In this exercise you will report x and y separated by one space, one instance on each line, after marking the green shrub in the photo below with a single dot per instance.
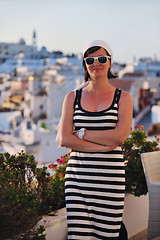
37 234
43 125
133 147
25 192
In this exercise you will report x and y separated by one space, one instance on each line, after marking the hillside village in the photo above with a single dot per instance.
33 84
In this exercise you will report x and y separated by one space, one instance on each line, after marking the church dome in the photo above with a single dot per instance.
22 41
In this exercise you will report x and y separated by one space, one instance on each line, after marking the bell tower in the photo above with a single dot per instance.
34 39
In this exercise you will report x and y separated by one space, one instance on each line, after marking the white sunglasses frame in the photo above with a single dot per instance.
96 58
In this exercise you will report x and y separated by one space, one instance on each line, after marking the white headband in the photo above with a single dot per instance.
99 43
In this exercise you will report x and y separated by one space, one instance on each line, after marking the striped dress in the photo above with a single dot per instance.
95 181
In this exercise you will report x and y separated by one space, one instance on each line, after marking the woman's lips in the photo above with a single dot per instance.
96 69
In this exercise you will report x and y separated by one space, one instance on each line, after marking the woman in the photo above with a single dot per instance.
96 120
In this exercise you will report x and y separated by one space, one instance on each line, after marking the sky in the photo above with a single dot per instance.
130 27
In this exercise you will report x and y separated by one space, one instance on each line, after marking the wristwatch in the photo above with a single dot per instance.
80 133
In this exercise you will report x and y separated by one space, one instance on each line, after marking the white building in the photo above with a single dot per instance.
33 140
4 86
144 67
10 50
35 98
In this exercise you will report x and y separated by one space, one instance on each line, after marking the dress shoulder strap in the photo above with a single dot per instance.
77 97
117 95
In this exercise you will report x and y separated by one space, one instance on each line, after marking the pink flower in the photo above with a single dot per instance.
61 161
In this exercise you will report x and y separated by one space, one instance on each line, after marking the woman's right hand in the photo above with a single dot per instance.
107 148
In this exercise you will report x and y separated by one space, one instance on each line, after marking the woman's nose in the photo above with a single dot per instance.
96 62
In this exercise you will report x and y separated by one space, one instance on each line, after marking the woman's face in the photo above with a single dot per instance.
98 70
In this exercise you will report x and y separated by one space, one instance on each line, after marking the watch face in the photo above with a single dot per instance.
81 133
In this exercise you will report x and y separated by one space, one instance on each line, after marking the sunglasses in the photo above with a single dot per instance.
101 60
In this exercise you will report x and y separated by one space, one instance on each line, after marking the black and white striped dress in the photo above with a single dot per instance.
95 182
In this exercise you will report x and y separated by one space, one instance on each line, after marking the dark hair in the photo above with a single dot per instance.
89 51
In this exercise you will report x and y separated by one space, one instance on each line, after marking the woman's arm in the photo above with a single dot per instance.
118 135
66 137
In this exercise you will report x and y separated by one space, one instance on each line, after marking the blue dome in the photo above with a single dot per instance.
43 48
